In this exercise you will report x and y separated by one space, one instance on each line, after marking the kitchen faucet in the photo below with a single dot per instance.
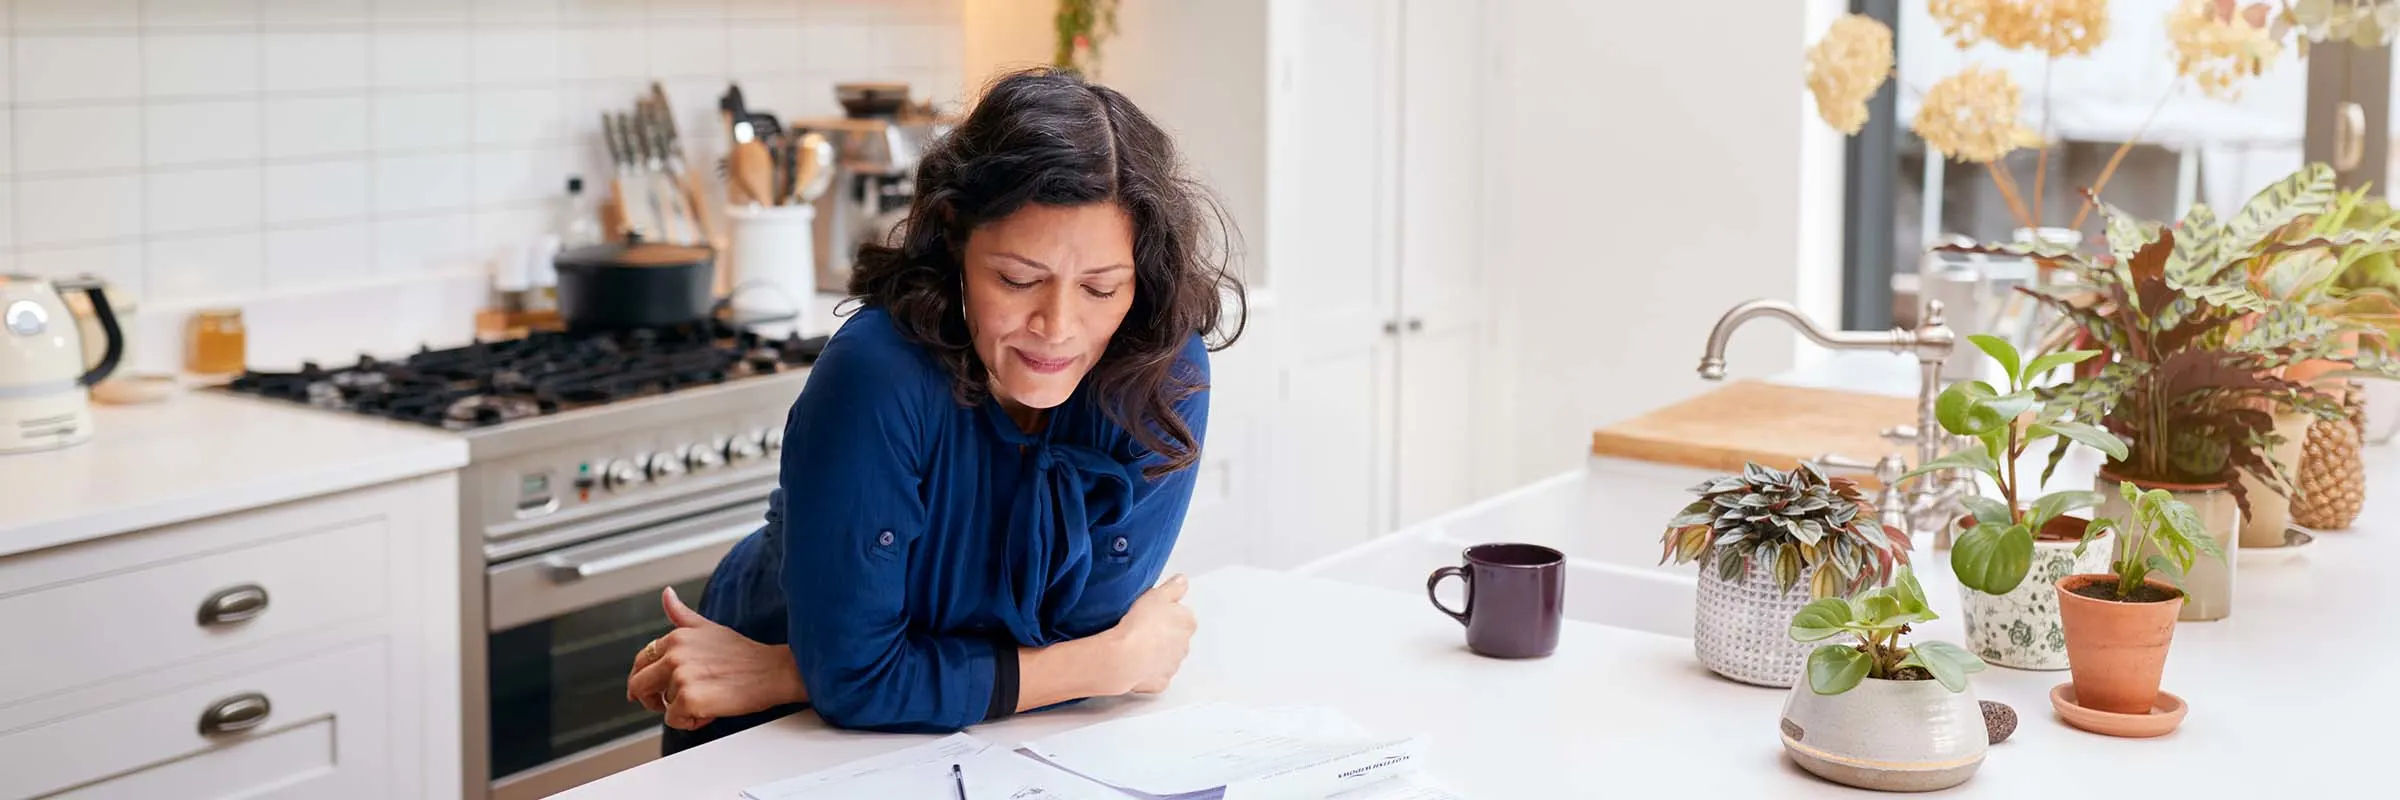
1934 499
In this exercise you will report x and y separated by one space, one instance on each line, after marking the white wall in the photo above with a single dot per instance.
344 169
1651 168
1819 290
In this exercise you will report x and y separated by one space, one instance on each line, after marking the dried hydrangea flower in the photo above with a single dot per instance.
2218 46
1846 67
1972 116
2056 27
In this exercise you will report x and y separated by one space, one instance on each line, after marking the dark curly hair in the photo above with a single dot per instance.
1046 136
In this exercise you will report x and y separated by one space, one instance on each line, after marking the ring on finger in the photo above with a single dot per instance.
650 651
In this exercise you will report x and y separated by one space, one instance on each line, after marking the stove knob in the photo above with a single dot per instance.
774 440
620 475
705 456
747 446
666 466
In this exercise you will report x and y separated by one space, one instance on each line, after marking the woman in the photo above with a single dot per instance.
989 465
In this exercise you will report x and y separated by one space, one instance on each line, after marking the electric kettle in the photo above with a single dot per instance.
45 392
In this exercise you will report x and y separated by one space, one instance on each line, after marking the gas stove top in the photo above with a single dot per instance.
487 384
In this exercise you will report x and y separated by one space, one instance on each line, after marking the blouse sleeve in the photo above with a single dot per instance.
852 478
1153 520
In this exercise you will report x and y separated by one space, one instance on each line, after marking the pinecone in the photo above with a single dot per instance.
2332 481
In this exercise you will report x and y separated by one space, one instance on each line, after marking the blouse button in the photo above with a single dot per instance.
885 539
1120 544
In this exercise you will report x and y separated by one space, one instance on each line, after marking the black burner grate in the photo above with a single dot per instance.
489 383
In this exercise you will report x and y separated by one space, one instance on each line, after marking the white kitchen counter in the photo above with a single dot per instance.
200 454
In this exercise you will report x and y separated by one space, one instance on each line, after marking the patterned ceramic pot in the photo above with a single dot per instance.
2021 629
1743 628
2208 591
1894 736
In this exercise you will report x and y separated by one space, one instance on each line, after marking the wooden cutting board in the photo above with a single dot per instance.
1772 424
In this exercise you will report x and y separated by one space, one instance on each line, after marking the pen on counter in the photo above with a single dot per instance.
958 779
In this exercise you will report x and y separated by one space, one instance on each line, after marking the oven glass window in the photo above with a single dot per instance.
558 685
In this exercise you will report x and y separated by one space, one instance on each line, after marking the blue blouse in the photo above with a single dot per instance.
913 543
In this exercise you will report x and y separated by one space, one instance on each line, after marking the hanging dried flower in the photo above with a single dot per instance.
2056 27
2219 45
1846 67
1972 116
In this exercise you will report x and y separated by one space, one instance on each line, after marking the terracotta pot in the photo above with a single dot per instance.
1906 736
2117 650
2208 590
2270 511
2021 629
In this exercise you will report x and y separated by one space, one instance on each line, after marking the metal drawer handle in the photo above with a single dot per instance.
235 714
567 571
233 604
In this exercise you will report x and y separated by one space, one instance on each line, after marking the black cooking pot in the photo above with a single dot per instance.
635 285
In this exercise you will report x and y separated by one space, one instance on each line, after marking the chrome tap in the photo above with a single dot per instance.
1933 500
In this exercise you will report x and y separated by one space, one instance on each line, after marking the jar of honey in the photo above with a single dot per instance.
216 343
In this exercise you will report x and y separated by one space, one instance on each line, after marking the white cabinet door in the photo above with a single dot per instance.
1444 327
1330 202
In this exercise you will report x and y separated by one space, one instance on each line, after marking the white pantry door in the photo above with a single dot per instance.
1330 202
1445 330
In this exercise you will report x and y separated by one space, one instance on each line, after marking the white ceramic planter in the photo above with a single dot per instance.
1742 629
2271 513
1901 736
2021 629
2208 590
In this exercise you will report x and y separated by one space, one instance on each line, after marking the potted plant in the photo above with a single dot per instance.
1878 714
2011 621
2195 352
2120 623
1768 541
2343 266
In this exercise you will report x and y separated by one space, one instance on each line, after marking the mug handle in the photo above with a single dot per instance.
1436 578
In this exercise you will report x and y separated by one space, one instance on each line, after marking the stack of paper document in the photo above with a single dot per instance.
1204 752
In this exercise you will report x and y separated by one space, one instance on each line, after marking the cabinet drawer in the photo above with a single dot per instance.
321 735
137 620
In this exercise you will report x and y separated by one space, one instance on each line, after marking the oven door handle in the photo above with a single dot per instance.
565 570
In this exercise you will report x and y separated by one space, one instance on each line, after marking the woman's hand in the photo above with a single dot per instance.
1152 639
702 670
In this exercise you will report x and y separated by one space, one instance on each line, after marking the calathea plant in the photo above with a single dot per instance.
1877 618
1793 521
2195 349
1993 555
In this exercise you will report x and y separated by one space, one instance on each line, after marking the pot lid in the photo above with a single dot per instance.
635 253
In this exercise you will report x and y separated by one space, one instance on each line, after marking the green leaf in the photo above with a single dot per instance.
1949 663
2159 564
2301 274
1820 619
1954 408
1834 669
1977 460
1998 413
2090 436
1988 511
2042 365
2000 350
1909 594
2306 191
2050 506
1878 610
1992 560
2092 532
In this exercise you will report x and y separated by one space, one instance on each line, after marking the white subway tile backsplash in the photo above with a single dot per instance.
610 52
8 68
763 9
317 256
301 127
421 11
36 16
185 64
200 13
675 10
119 264
279 13
765 48
307 61
95 67
516 12
204 266
419 120
420 57
519 176
201 132
317 190
507 233
64 211
191 201
603 10
411 245
516 56
412 184
8 217
78 138
840 48
688 50
519 116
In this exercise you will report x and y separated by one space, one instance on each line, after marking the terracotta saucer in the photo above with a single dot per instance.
2165 713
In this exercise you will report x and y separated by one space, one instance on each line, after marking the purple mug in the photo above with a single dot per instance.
1515 598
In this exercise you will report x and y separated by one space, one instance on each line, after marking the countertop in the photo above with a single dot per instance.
199 454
